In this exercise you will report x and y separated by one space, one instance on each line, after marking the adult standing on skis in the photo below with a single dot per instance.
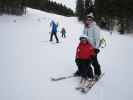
92 31
54 31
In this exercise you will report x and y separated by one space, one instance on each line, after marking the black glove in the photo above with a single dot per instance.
77 61
97 51
92 57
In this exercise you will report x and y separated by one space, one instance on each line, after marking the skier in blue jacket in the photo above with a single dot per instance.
54 31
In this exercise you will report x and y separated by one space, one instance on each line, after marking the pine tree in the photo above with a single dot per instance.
114 9
80 9
16 7
89 7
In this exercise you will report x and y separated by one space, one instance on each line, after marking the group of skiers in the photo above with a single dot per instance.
87 51
54 31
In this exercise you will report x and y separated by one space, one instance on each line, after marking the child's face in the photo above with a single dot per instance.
84 41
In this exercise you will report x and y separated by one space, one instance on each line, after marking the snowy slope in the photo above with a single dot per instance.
28 61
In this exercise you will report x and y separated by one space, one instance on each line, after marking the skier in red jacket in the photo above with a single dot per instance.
84 55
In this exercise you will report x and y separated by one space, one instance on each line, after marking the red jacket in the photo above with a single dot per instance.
84 51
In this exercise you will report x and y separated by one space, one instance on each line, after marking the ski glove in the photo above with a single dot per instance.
97 50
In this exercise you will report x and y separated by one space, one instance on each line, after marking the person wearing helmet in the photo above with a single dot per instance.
84 54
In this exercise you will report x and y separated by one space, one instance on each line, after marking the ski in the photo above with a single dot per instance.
62 78
89 87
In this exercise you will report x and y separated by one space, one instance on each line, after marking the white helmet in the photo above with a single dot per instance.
83 37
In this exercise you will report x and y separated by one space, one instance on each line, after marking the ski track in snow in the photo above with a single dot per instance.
28 60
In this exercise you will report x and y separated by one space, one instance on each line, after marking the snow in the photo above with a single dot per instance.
28 60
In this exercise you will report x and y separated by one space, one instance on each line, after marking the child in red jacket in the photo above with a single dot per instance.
84 54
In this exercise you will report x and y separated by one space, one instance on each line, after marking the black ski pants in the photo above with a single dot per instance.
84 68
54 34
96 66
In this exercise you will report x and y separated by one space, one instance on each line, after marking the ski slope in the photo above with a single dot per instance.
28 60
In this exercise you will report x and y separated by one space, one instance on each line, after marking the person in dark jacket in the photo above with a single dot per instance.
54 31
63 32
84 55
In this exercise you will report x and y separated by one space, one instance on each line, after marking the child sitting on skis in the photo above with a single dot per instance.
84 54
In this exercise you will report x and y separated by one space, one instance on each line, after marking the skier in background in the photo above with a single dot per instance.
54 31
63 32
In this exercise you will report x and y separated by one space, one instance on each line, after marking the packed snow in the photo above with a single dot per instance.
28 60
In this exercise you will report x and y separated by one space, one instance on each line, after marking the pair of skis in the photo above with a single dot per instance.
84 90
89 86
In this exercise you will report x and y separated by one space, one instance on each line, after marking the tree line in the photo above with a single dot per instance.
58 9
84 7
18 7
12 7
113 11
108 13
